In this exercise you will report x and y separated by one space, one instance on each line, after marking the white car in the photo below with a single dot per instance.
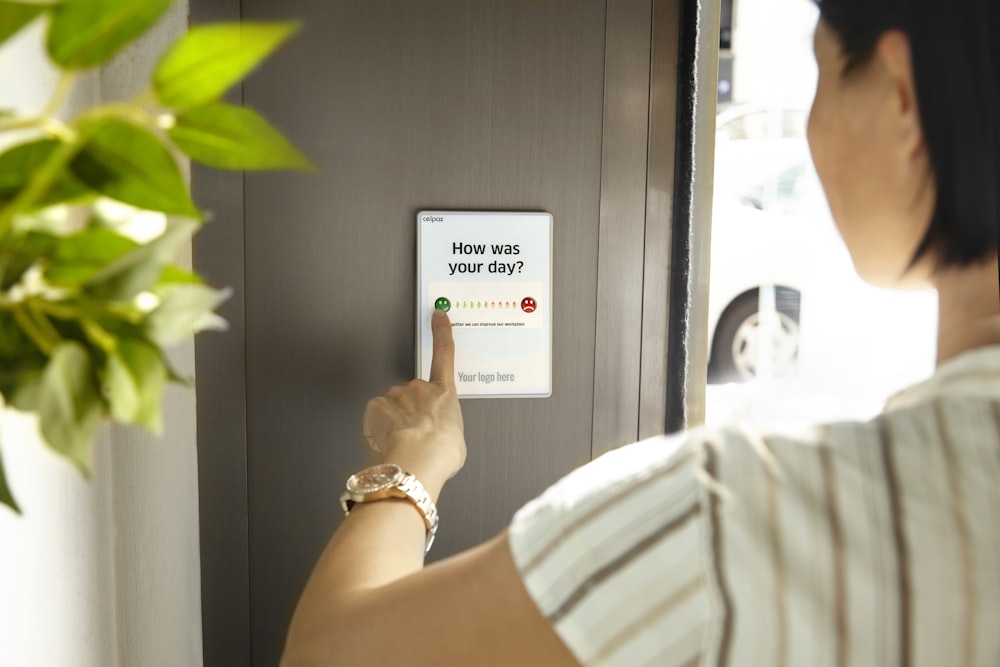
767 208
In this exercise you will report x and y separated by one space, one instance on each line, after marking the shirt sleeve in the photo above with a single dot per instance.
614 555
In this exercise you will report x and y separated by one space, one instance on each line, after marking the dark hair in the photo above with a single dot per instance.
957 76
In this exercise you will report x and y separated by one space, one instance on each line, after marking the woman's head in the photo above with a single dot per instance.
904 132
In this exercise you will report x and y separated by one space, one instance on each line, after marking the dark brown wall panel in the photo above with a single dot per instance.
447 104
452 104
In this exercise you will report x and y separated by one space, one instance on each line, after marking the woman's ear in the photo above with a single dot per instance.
894 56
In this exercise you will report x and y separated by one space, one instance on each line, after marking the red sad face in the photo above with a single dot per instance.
528 304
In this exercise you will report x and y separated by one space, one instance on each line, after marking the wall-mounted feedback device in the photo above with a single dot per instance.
492 273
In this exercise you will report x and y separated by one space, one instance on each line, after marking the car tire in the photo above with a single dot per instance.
729 360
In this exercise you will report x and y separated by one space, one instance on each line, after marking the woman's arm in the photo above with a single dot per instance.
369 598
470 609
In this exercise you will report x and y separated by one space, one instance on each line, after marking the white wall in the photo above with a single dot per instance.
100 573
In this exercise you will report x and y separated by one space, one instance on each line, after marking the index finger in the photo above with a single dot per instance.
443 359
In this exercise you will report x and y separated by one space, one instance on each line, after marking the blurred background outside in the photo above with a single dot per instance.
794 335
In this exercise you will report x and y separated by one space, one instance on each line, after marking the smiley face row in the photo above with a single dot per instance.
528 304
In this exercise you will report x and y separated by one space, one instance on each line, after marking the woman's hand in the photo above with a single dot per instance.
418 426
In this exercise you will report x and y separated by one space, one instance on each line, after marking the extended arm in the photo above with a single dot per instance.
370 600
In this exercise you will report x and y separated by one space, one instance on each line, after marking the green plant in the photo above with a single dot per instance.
94 209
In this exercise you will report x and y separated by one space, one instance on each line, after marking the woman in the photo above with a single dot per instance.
864 543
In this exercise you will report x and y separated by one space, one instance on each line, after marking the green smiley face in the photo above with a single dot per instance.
443 304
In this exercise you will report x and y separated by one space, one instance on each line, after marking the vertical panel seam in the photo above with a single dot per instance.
600 195
645 212
621 417
246 391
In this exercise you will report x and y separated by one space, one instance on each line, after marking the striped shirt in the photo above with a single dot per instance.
872 543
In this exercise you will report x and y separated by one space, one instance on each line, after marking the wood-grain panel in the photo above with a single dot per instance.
623 223
446 104
562 106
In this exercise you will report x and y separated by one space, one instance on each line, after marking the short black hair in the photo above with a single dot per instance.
957 77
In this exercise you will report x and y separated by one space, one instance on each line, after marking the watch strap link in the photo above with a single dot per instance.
416 492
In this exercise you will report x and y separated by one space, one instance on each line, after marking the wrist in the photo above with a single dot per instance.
432 475
431 462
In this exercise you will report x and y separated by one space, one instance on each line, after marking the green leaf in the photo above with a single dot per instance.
14 16
185 310
174 376
134 379
20 253
6 497
14 344
140 268
21 365
95 244
225 136
18 164
120 389
208 60
69 406
85 33
21 388
131 165
70 275
176 275
75 259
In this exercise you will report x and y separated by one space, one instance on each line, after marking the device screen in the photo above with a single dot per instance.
492 273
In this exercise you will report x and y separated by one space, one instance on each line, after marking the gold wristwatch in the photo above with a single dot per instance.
388 480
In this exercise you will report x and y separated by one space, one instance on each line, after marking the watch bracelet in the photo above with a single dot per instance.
418 495
416 492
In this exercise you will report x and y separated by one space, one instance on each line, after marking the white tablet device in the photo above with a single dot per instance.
492 273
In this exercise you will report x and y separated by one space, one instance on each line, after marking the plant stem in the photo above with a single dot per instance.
146 99
67 79
123 312
23 317
64 86
51 126
21 123
61 311
44 325
56 310
98 335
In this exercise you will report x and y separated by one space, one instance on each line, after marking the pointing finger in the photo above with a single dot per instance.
443 360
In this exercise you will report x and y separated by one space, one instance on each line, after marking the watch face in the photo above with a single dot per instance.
375 478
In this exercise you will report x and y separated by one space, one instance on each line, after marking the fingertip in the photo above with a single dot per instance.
440 322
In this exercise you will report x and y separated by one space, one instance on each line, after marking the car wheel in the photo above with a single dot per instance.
737 338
